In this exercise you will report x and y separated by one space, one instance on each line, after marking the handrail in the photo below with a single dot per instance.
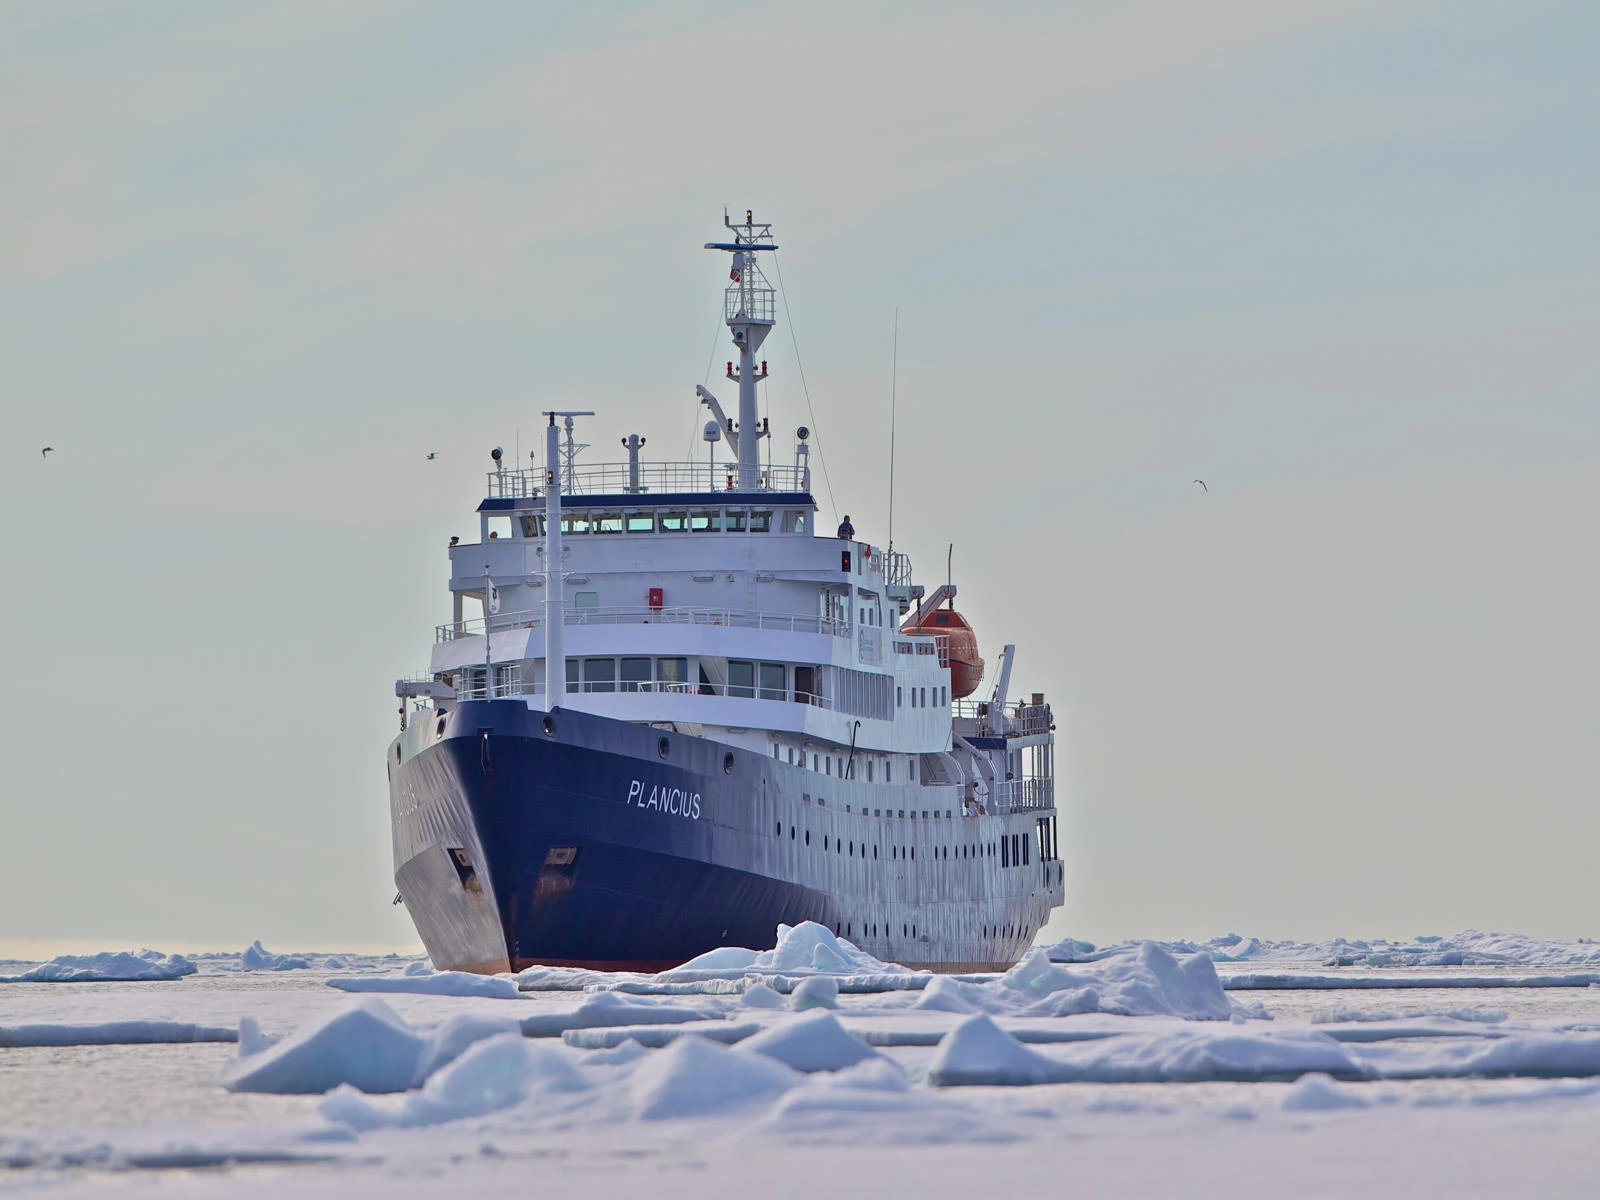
533 618
653 478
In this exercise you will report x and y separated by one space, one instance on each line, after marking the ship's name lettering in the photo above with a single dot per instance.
673 801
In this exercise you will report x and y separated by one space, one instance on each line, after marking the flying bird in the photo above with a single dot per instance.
430 455
1203 487
45 453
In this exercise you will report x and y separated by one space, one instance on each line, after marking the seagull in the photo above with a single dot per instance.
45 453
430 455
1202 484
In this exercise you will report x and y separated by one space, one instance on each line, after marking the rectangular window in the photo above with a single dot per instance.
641 522
496 527
827 765
772 682
672 674
869 770
791 756
794 521
761 522
572 674
607 523
733 520
705 522
532 524
1005 857
635 675
805 684
741 678
888 772
586 600
599 674
574 523
1025 858
899 697
674 522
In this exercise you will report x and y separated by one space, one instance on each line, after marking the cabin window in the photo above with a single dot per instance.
705 522
827 765
635 677
641 522
761 522
672 674
733 520
869 770
573 667
599 674
574 523
674 522
532 524
888 771
794 521
497 527
899 697
772 682
586 600
607 522
805 685
741 678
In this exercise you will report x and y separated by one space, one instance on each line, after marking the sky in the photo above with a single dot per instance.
1338 259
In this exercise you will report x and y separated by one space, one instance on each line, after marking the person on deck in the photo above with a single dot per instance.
846 530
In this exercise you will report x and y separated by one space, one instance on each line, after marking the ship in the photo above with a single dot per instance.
671 713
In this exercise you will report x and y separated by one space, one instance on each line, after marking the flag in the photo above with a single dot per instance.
492 603
737 274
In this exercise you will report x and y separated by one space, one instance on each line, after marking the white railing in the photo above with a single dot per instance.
1018 794
470 687
732 618
1021 720
654 478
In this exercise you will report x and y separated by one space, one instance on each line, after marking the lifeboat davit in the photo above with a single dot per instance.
966 665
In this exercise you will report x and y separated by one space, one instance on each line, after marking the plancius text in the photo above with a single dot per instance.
674 801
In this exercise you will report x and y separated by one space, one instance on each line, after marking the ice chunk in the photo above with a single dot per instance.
620 1055
437 983
252 1040
735 958
693 1077
978 1051
1317 1092
257 958
759 995
457 1035
1540 1055
418 968
1146 981
602 1009
805 949
944 994
114 1033
116 966
367 1046
819 991
815 1042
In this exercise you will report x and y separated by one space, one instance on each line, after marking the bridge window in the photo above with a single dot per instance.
607 522
772 682
496 527
761 522
705 522
599 674
532 524
741 678
636 678
794 521
572 523
734 520
641 522
674 522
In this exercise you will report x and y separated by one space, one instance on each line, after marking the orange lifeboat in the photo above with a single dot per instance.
966 665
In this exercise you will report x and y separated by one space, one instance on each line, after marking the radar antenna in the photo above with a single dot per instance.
750 309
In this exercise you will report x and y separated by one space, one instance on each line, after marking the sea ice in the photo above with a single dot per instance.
804 949
694 1077
944 994
1144 981
114 1033
456 1036
1319 1092
759 995
656 1036
257 958
819 991
114 966
438 983
602 1009
367 1046
815 1042
979 1052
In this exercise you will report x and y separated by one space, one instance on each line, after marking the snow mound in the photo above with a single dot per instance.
944 994
367 1046
1317 1092
115 1033
1141 982
804 949
602 1009
725 958
458 1035
627 1051
694 1077
257 958
759 995
437 983
1207 1055
496 1073
979 1052
819 991
816 1042
113 966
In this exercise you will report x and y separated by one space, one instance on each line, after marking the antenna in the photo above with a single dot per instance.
894 380
949 574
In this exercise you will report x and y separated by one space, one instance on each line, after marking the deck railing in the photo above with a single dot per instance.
604 479
683 615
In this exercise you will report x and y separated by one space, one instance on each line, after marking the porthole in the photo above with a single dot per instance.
727 762
824 841
779 829
808 837
664 747
852 849
791 833
550 727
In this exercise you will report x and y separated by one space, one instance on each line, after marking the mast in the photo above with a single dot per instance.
555 658
749 307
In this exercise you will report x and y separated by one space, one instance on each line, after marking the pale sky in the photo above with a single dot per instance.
1339 259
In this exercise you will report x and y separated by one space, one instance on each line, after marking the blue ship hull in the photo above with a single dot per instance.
565 838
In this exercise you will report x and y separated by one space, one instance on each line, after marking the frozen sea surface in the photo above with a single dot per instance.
802 1095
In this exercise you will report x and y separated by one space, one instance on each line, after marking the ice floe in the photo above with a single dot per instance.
434 983
602 1009
1470 948
814 1042
256 957
115 1033
113 966
1319 1092
694 1077
1147 980
367 1046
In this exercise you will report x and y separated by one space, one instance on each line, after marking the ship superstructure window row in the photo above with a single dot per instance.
653 521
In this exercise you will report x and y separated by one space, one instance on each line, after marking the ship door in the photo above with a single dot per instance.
805 684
